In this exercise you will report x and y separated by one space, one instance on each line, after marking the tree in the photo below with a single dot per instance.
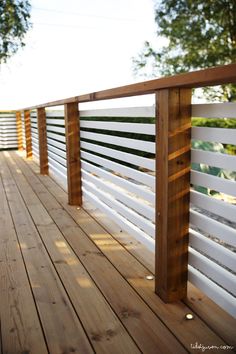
199 34
14 23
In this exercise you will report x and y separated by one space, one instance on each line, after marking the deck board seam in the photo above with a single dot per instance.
118 269
71 247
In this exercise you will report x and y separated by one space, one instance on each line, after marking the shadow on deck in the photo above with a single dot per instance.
71 283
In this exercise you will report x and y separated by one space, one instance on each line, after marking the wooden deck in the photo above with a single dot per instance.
72 284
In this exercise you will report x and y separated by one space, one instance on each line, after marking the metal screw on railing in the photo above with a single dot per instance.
189 316
149 277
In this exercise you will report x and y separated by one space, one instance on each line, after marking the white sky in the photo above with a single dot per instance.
76 47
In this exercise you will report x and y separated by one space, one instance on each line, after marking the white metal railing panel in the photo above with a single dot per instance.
138 128
124 223
213 182
131 188
124 170
213 227
216 206
214 110
215 159
135 144
220 135
120 155
8 134
211 289
145 112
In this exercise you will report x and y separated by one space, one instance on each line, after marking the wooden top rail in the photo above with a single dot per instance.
208 77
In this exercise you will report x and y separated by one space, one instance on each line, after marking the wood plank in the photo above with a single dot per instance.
53 305
19 130
207 77
21 331
73 154
146 329
173 192
102 326
42 138
28 141
172 315
216 318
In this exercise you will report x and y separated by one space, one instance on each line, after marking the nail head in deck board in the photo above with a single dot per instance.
42 136
73 154
28 139
46 285
172 314
16 302
173 187
19 130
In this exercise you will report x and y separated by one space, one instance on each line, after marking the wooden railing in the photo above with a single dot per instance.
173 141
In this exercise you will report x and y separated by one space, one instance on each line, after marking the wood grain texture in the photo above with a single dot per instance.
172 192
42 136
21 330
28 139
73 154
102 326
53 304
201 78
19 130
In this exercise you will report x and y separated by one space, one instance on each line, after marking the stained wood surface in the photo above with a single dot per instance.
73 154
172 192
106 288
28 139
201 78
19 130
42 138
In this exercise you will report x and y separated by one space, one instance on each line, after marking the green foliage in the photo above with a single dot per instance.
14 23
199 34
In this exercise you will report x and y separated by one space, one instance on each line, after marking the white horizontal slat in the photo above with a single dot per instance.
212 270
139 128
5 124
120 208
57 144
55 121
134 204
126 171
55 113
141 145
213 227
35 139
57 158
8 146
7 115
220 135
33 119
57 151
8 135
212 249
216 293
35 135
146 112
58 166
120 155
122 222
34 125
55 129
56 137
35 146
6 139
214 205
215 183
214 159
214 110
120 182
60 178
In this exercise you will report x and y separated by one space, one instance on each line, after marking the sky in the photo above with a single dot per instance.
76 47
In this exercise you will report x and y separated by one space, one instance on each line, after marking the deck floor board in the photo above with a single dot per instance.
78 288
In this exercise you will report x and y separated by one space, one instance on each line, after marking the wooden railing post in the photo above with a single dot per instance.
19 130
173 111
42 134
28 140
73 154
